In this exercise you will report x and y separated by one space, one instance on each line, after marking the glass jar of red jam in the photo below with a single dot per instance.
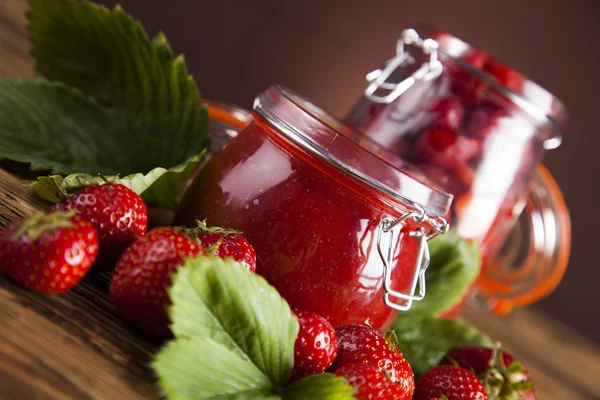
337 230
479 129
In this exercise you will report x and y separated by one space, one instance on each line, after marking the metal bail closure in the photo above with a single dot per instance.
431 70
387 227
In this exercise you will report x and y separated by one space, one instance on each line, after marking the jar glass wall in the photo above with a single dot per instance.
311 202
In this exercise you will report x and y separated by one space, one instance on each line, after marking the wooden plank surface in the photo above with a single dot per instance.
73 346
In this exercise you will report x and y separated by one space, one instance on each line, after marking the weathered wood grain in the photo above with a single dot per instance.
66 346
74 346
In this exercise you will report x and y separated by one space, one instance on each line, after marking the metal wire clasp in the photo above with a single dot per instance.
431 70
390 227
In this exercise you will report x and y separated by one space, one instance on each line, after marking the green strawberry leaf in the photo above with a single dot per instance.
201 368
137 79
222 300
158 188
54 127
319 386
234 339
425 340
454 267
120 105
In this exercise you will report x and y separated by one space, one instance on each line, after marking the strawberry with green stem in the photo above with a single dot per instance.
225 243
363 344
451 382
49 252
142 277
117 212
370 383
316 345
503 376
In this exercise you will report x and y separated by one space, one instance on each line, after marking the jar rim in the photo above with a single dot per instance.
322 133
530 97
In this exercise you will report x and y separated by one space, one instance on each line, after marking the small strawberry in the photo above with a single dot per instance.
225 243
363 344
445 149
505 75
483 119
315 347
369 383
143 275
117 212
48 252
448 113
503 376
453 382
467 86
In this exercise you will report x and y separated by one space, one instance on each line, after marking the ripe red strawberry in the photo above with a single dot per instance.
363 344
369 383
505 75
316 345
448 113
467 86
143 275
483 119
453 382
445 149
503 376
226 243
117 212
48 252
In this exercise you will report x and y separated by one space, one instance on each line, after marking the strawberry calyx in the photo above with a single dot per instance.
39 223
192 233
212 250
392 340
203 228
503 382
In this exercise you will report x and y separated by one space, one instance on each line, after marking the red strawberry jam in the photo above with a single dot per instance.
312 221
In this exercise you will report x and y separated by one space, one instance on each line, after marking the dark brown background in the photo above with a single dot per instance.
322 49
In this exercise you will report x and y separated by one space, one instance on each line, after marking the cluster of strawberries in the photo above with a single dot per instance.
374 366
106 224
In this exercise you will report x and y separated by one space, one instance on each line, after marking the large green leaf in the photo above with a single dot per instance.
235 339
54 127
425 340
158 188
319 386
108 56
454 267
200 368
220 299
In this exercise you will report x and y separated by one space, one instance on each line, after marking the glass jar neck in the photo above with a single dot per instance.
322 135
536 101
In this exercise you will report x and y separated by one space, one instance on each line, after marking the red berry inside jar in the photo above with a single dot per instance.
479 131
